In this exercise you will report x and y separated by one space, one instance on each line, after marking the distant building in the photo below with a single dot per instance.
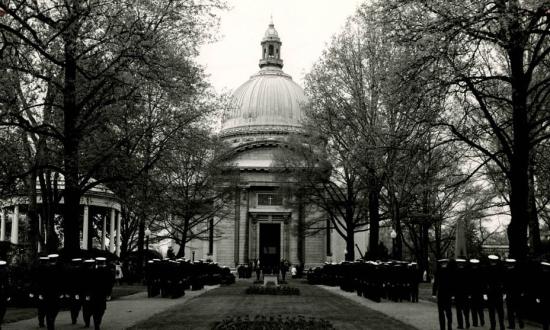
264 221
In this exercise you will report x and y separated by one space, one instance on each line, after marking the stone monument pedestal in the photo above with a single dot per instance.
270 278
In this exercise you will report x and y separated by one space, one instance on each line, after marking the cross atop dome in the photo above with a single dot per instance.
271 47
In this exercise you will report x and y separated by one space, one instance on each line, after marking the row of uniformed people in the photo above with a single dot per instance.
492 283
78 284
170 278
393 280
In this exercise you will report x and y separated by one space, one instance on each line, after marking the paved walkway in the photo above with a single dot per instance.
121 313
421 315
204 311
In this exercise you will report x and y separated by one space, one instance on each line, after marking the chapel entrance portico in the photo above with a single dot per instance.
270 237
270 246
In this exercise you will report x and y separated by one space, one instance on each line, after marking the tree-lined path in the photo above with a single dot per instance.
202 309
215 305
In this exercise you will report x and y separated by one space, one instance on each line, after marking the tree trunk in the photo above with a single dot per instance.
396 217
519 176
374 221
141 240
350 244
71 159
534 229
32 212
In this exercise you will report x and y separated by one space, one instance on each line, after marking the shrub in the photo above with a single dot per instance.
273 323
273 290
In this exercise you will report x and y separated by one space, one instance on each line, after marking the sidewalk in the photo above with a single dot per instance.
120 314
421 315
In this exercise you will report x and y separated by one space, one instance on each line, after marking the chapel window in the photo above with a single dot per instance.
269 199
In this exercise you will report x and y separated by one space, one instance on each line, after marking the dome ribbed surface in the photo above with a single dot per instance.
269 100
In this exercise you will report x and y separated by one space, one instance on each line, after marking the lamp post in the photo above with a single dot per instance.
393 236
147 234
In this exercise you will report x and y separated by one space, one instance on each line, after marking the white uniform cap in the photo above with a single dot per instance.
544 263
100 259
43 258
474 261
76 259
460 260
493 257
2 263
89 260
54 255
510 260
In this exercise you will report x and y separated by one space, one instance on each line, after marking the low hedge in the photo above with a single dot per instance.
273 290
262 322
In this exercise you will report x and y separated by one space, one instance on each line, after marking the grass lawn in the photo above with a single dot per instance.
204 311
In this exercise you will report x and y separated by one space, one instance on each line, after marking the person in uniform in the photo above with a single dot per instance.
73 282
53 277
461 294
103 282
443 289
513 290
149 279
476 280
495 291
543 293
87 289
38 285
4 289
413 276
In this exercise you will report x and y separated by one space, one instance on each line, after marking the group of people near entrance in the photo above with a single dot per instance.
393 280
171 277
492 283
76 284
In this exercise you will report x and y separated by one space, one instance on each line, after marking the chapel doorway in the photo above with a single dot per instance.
270 246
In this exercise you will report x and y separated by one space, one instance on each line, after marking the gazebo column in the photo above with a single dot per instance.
118 234
104 232
85 228
2 225
15 225
112 231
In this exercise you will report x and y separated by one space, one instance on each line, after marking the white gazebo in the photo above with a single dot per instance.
98 197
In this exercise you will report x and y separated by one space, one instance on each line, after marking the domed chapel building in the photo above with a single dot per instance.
264 221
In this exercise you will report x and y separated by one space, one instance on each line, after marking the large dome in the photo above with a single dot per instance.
269 100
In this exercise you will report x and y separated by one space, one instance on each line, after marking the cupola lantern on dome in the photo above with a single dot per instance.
271 48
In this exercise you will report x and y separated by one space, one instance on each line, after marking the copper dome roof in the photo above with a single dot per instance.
269 101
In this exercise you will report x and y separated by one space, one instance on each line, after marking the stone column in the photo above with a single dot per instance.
104 232
118 233
243 226
112 231
2 225
85 228
237 226
15 225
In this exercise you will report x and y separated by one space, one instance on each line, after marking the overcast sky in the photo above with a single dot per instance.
304 26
